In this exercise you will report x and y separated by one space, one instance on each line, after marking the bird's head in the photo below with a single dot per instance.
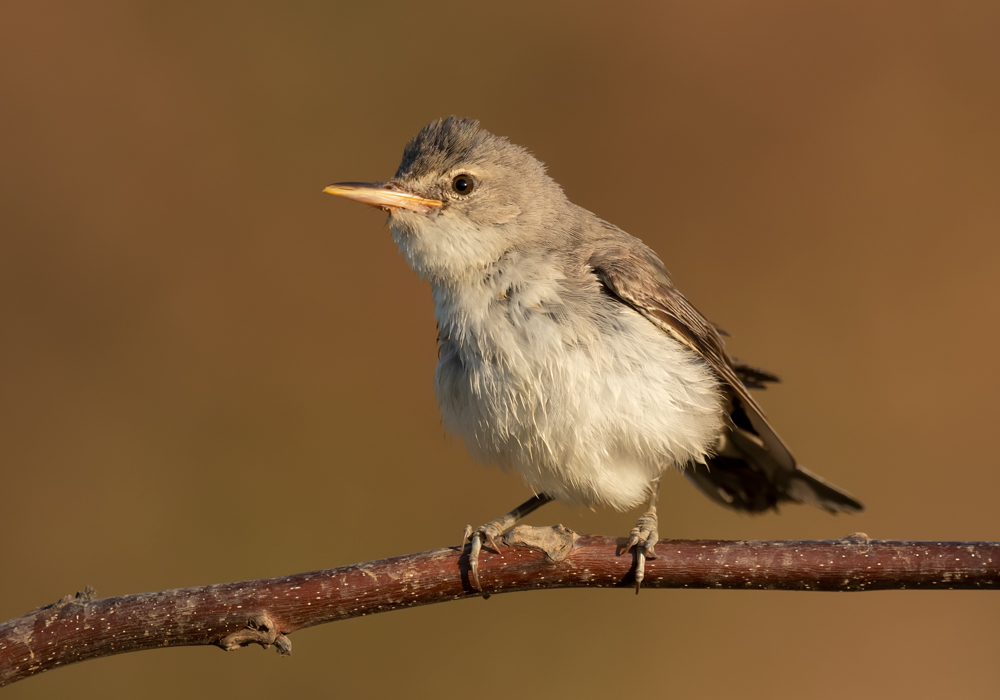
461 198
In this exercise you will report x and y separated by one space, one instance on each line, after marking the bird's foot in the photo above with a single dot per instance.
643 538
494 529
488 533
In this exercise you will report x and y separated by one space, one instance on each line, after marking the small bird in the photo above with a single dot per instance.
565 353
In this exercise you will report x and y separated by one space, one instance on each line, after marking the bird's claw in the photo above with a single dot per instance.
643 538
488 532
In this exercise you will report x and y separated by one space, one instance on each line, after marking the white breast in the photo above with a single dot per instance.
585 413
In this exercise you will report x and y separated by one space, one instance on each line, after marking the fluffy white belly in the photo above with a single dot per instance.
580 410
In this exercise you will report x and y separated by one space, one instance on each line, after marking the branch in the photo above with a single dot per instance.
232 615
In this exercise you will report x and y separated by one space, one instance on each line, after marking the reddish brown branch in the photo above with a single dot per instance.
231 615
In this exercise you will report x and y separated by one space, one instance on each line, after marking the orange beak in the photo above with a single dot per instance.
384 196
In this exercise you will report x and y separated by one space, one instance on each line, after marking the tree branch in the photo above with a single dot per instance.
231 615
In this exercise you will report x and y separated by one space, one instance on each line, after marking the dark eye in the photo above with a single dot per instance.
463 184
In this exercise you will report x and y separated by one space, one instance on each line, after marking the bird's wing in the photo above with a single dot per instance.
759 470
636 276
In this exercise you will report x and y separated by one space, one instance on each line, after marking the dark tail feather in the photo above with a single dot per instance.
746 477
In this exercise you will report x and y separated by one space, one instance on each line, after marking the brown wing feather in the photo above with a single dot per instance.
634 274
641 281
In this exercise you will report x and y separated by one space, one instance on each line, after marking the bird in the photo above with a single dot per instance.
565 352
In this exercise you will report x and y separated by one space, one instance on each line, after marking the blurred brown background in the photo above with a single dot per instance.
211 371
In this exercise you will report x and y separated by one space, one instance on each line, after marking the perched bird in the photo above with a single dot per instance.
566 354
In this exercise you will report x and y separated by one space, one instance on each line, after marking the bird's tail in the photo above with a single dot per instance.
745 475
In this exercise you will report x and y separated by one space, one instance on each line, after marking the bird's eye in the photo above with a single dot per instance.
463 184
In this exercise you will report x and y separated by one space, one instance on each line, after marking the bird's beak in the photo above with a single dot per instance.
384 196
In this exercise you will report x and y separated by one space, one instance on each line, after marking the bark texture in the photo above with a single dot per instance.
266 611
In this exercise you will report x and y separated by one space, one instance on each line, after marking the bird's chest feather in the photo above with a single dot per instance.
504 328
539 380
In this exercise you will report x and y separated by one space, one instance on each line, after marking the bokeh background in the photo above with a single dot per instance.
211 371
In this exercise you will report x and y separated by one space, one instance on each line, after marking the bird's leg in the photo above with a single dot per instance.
644 537
493 529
